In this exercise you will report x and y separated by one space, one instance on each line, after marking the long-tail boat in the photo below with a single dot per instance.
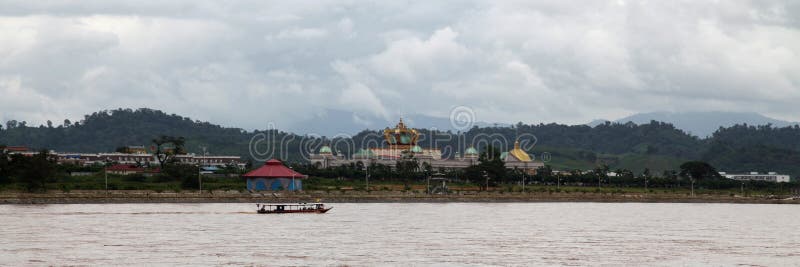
292 208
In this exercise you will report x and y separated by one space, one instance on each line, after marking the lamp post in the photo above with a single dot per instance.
428 188
742 188
599 180
293 185
486 176
558 181
105 172
200 178
200 169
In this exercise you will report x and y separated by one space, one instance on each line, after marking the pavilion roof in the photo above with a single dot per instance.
274 169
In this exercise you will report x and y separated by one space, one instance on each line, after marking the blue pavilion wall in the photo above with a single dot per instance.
274 184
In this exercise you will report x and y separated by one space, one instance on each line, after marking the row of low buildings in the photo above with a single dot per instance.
137 158
752 176
401 144
755 176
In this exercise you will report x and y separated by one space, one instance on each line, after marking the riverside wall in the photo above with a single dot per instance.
143 196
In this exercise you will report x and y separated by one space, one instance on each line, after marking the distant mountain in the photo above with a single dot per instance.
597 122
657 146
702 124
333 122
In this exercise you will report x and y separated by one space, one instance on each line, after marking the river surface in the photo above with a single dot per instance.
420 234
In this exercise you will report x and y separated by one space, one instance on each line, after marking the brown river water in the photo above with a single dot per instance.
400 234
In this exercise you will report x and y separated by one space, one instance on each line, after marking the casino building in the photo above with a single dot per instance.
401 143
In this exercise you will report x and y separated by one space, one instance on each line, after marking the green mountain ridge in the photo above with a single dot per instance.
657 146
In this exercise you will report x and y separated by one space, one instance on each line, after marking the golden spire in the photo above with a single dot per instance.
518 153
401 135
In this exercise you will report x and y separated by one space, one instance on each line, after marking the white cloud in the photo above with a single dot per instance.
537 61
294 34
407 59
359 97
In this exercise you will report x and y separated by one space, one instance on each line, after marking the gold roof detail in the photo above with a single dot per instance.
401 137
518 153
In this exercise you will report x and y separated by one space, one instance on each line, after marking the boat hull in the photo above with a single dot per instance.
294 211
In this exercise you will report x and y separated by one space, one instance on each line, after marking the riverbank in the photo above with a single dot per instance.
144 196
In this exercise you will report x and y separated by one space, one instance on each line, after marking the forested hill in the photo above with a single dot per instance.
106 130
656 145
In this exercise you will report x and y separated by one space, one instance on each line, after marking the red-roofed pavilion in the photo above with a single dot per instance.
274 176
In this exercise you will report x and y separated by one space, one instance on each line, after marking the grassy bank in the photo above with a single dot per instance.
353 196
129 182
135 189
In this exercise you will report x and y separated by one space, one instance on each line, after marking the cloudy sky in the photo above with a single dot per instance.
247 63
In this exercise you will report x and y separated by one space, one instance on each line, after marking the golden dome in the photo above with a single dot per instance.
401 135
518 153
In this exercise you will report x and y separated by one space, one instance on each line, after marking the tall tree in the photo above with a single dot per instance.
4 164
602 173
490 162
38 169
167 147
698 170
11 124
407 170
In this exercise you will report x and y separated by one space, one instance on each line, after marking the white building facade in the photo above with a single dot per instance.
755 176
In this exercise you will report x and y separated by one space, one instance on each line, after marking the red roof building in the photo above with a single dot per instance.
274 169
17 149
274 176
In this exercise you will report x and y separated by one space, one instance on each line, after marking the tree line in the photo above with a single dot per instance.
34 172
491 171
740 148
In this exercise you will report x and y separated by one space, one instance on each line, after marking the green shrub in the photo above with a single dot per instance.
163 178
135 178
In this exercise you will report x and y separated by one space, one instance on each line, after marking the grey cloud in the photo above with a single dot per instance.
249 63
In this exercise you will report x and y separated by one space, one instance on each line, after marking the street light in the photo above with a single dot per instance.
742 188
293 185
105 173
558 181
200 178
486 175
200 169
